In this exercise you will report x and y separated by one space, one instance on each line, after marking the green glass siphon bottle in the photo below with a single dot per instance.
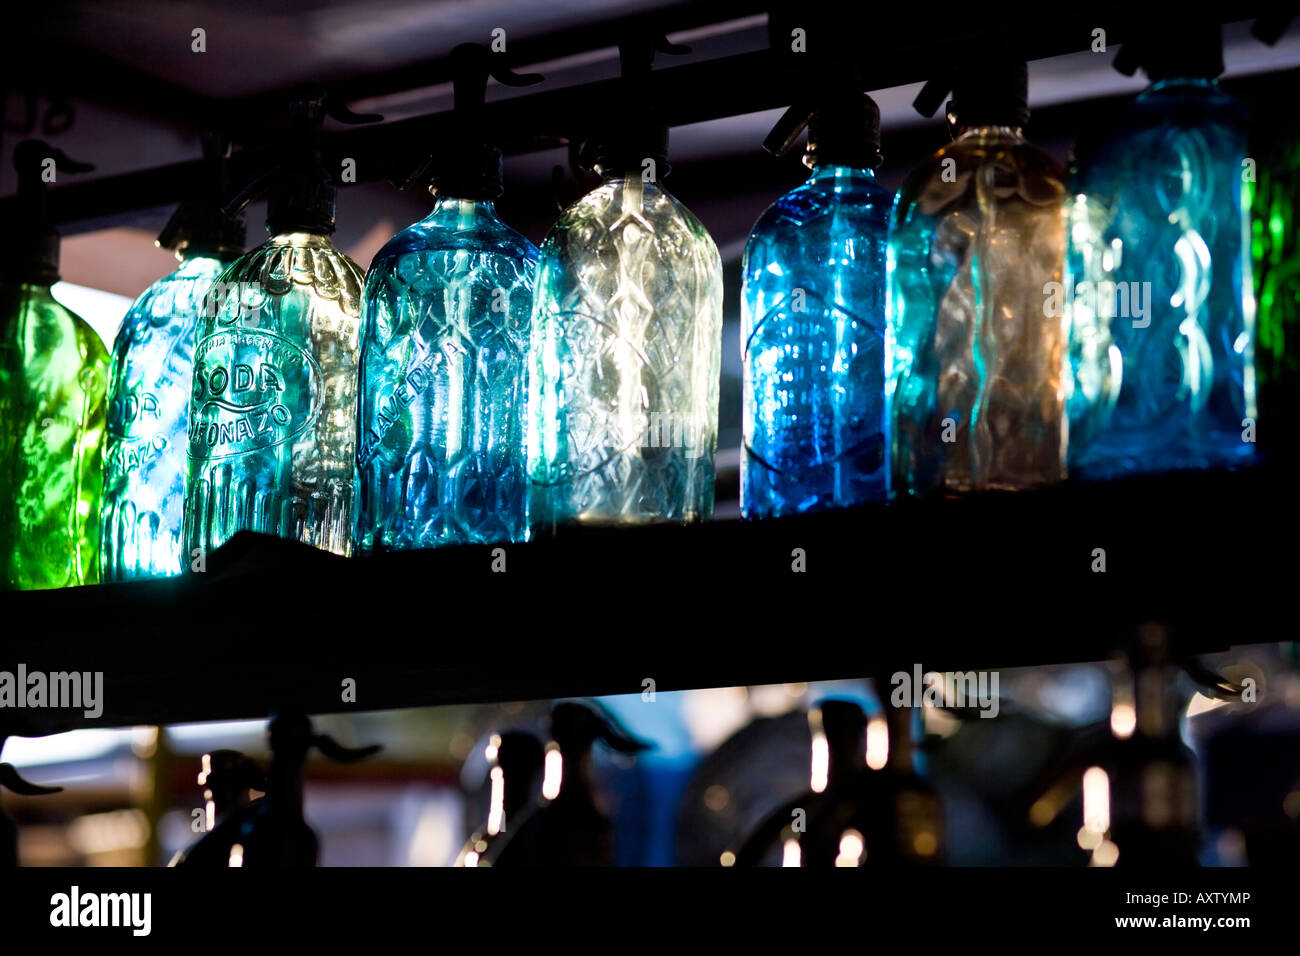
53 376
1273 194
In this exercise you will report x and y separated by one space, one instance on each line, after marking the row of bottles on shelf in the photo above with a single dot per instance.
1002 322
996 325
869 799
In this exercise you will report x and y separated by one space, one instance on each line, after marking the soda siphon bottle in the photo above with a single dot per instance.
1273 192
813 321
145 461
626 337
442 456
973 357
1273 197
272 434
1161 352
53 376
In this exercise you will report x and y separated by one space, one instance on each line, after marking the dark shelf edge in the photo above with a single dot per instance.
990 581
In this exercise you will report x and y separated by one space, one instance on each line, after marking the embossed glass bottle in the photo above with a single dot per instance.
53 376
443 388
443 381
1162 324
974 395
272 433
813 327
626 354
145 461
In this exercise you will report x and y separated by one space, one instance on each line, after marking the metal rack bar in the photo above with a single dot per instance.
691 93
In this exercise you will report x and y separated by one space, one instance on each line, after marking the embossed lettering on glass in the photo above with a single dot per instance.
272 431
443 383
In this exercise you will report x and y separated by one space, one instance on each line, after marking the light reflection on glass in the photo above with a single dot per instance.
497 811
553 771
877 743
1096 800
852 849
821 752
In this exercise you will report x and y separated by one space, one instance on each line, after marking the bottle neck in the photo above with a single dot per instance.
618 172
457 207
226 799
303 200
823 172
1183 84
286 784
845 760
839 728
471 170
634 145
197 258
31 256
28 289
301 239
989 133
1157 702
900 721
577 773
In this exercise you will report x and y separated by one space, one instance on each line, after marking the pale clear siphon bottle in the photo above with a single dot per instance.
145 453
442 457
813 319
973 353
1163 312
273 408
626 336
53 377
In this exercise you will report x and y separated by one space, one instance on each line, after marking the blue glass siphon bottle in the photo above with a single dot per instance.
442 455
813 322
145 460
1162 311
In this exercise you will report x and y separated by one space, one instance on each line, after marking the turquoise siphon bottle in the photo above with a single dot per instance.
442 457
813 319
1161 351
974 395
53 376
272 433
145 460
626 337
